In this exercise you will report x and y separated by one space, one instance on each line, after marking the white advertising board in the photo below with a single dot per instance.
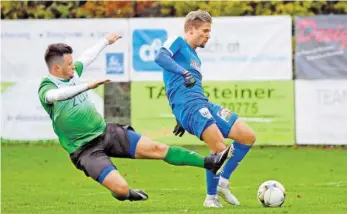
24 118
23 45
240 48
321 111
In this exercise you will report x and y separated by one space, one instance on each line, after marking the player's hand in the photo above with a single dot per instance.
179 130
95 84
112 38
189 80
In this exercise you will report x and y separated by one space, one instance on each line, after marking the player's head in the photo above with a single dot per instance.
197 27
58 58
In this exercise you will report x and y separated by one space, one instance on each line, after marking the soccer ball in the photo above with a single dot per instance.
271 194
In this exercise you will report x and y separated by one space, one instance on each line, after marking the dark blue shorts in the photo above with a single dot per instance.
195 117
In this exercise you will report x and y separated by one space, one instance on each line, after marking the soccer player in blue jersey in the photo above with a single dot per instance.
193 111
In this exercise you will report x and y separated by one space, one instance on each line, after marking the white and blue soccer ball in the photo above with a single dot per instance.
271 193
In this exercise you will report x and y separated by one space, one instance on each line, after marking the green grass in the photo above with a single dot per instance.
41 179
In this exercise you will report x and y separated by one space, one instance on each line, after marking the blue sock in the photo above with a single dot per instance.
239 153
211 181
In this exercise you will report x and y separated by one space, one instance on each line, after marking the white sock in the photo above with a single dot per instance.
210 197
223 182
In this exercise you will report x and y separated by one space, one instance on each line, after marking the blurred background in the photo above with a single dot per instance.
281 65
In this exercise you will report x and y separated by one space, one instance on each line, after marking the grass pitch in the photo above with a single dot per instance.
41 179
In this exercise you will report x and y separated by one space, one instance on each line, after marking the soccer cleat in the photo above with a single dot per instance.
221 159
225 193
138 195
134 195
212 202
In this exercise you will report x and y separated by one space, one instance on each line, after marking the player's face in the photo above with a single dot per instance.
202 34
67 68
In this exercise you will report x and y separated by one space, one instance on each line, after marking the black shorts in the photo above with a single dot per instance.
94 156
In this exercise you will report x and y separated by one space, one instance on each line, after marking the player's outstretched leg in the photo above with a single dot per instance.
118 186
176 155
245 138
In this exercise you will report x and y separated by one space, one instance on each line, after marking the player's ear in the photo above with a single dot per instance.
56 67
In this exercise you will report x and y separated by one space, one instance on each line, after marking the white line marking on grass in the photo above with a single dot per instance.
334 183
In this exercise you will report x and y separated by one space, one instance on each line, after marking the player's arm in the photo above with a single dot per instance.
61 94
91 54
165 61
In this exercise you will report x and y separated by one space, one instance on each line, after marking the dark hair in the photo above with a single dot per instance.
55 52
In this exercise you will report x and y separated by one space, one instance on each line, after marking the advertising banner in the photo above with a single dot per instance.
24 42
321 111
22 115
321 43
240 48
267 106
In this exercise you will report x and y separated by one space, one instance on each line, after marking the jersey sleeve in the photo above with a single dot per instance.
45 86
78 67
166 62
174 44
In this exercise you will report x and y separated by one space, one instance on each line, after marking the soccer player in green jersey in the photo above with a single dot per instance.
84 134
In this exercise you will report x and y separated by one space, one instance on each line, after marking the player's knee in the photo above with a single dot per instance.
159 150
250 138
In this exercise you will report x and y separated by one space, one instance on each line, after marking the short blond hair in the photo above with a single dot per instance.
196 18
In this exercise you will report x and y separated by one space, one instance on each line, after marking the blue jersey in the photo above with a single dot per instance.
184 55
189 105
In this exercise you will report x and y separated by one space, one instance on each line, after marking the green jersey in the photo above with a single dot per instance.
75 121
